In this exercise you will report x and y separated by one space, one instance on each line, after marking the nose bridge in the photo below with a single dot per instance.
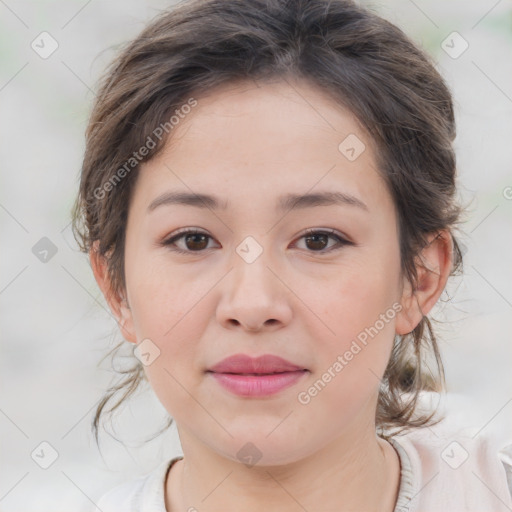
254 295
250 273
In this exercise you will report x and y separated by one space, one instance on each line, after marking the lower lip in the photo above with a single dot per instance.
257 385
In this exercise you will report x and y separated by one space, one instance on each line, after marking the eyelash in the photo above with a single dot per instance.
169 242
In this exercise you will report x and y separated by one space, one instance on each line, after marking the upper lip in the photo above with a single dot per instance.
265 364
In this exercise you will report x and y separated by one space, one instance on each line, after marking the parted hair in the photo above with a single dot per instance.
365 63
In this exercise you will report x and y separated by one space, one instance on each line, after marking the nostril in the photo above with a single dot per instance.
254 328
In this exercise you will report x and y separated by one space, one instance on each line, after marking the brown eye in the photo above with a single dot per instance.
196 241
193 241
317 241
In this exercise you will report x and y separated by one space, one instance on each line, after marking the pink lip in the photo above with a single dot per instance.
261 376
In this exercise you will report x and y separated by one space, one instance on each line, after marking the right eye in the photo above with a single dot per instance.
194 241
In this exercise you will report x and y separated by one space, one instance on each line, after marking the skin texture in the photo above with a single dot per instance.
250 143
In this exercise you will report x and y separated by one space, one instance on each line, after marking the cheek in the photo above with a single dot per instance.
355 300
169 312
160 297
358 310
351 362
174 324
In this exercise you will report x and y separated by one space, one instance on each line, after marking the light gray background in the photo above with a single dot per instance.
54 328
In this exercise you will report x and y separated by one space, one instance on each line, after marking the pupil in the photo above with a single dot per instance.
315 236
196 236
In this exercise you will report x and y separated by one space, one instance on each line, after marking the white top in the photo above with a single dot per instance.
441 473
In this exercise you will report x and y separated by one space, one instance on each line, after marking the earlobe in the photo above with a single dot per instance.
433 267
117 304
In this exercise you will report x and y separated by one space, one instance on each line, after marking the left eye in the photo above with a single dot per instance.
197 241
318 238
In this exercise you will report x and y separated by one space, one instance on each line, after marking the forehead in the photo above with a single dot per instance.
281 113
264 139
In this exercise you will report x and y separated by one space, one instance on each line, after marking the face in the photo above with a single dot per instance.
317 285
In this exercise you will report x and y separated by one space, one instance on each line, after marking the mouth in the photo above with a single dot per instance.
266 364
266 375
257 385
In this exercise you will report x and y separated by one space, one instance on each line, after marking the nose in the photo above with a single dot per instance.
254 298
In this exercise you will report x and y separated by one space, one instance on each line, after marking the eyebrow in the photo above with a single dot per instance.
285 202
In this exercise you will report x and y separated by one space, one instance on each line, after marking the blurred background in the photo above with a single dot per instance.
55 328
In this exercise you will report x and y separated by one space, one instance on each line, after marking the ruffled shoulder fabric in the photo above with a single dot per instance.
447 469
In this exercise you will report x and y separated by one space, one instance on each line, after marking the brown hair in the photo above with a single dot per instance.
363 61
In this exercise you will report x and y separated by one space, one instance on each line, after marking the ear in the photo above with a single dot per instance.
118 304
434 265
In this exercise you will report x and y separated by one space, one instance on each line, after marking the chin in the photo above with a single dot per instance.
254 447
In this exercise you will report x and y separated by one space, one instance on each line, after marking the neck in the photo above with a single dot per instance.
353 472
